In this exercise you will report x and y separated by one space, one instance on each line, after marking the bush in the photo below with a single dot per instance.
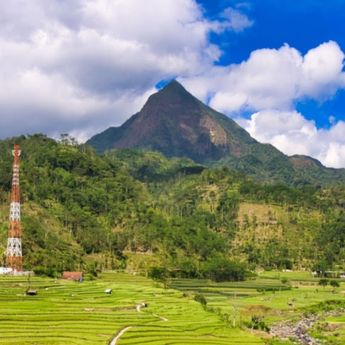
201 299
45 271
258 323
334 283
284 281
158 273
323 282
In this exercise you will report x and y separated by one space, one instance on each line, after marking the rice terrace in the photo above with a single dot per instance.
73 313
66 312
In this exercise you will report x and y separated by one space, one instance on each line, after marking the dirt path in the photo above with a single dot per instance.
119 335
144 305
126 329
139 306
162 318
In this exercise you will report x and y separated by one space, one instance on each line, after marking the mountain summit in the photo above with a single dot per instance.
176 123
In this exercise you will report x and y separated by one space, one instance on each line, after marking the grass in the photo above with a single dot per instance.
80 313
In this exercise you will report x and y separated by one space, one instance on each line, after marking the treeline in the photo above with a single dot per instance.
79 207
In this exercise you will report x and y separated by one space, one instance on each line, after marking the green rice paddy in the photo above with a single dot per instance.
81 313
67 312
265 296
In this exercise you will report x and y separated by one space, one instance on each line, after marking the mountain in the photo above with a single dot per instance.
177 124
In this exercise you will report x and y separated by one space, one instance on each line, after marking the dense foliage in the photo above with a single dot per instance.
86 211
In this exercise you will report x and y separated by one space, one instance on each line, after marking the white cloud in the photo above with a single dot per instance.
291 133
236 20
273 79
321 73
82 65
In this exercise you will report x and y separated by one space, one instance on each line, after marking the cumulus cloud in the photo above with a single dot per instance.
291 133
235 20
82 65
273 79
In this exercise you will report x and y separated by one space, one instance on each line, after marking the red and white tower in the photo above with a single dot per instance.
14 258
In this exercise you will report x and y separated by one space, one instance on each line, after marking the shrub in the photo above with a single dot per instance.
334 283
285 281
323 282
258 323
201 299
158 273
46 271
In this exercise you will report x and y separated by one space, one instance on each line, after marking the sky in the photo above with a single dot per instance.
274 66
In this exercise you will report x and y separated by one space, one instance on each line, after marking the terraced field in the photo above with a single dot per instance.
81 313
265 296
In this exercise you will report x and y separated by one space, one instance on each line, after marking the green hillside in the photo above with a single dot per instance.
166 217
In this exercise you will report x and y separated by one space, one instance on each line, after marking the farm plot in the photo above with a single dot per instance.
81 313
265 297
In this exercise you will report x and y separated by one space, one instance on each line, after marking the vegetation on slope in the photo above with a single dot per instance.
86 211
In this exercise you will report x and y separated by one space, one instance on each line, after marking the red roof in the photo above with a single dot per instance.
73 275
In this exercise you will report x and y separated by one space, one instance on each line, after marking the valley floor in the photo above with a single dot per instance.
81 313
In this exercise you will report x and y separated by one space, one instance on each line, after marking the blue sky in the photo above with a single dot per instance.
80 66
301 24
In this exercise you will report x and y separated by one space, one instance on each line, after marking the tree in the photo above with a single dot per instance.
220 268
201 299
160 274
323 282
334 283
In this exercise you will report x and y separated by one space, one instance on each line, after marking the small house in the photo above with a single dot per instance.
5 270
31 292
75 276
108 291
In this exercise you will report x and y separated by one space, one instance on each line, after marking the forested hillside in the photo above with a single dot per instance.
140 210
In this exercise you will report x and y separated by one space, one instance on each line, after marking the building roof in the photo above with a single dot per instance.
72 275
5 270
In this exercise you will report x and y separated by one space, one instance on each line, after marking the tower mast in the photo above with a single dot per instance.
14 258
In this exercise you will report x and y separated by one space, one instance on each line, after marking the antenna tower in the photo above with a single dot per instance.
14 258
